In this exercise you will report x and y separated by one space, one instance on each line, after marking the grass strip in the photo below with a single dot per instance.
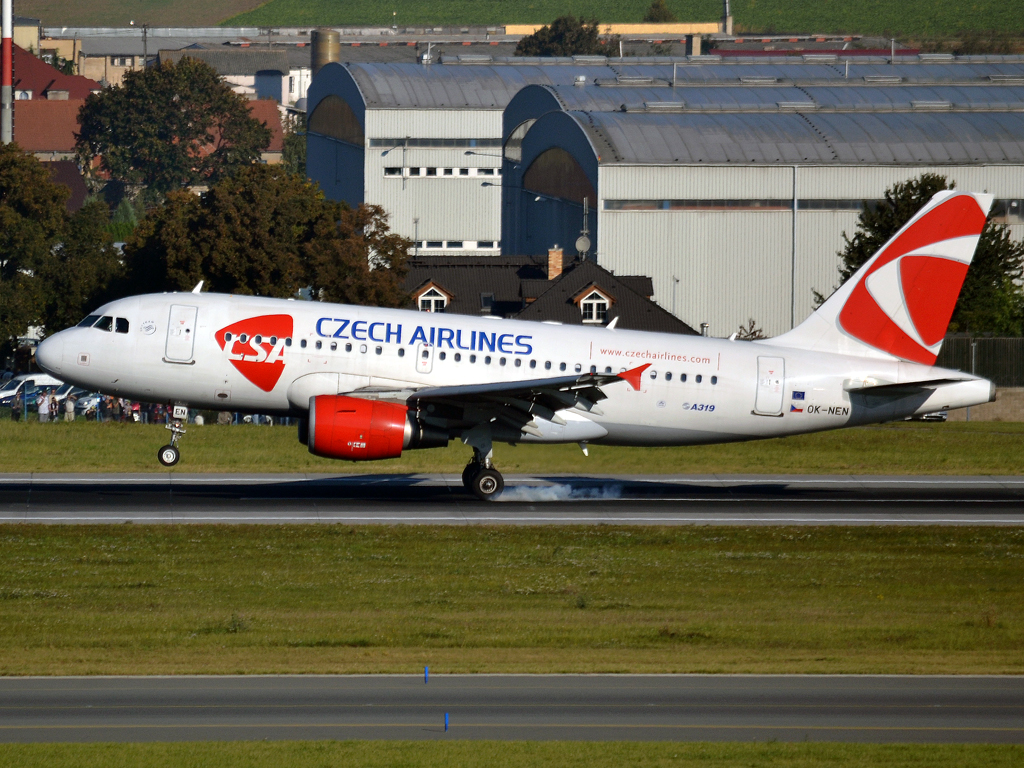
979 448
339 599
507 754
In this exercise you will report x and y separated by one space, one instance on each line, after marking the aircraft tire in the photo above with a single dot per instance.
487 484
168 455
468 473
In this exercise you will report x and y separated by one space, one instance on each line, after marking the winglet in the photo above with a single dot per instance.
633 375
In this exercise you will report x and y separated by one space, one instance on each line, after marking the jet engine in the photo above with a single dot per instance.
355 429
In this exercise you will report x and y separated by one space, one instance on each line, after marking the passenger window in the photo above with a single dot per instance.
259 340
547 365
334 344
319 344
578 367
288 341
668 375
89 322
682 377
348 347
401 351
501 361
441 355
593 369
243 338
458 357
105 324
561 366
698 378
227 337
714 379
608 369
487 360
273 340
362 348
519 362
302 343
654 374
533 363
472 358
378 350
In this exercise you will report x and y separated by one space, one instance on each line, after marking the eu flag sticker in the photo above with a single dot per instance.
798 395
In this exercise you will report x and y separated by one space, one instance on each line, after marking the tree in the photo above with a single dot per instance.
168 127
82 271
295 144
268 232
991 300
567 36
659 13
32 214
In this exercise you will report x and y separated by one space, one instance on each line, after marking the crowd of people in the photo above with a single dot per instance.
104 408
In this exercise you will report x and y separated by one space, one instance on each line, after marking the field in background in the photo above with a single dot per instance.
913 17
508 754
129 599
117 13
978 448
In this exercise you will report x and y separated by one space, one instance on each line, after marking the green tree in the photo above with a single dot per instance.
32 215
82 271
991 300
659 13
168 127
295 144
567 36
268 232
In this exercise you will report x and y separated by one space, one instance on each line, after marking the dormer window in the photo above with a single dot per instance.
594 307
433 300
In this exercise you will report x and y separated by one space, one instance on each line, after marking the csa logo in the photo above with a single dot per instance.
904 303
256 347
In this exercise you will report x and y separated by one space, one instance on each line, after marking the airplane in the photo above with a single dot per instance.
368 383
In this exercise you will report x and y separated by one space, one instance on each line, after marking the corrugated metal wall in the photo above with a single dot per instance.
1000 360
448 208
732 266
722 267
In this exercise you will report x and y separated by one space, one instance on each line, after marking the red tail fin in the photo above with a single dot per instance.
900 302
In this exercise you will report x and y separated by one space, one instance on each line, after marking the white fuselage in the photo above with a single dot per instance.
696 390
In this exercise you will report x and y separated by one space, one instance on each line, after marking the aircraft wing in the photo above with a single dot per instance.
512 406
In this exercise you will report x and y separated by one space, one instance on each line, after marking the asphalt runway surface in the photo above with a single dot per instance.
515 707
527 500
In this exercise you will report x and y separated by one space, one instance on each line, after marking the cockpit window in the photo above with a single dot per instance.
121 325
89 322
105 323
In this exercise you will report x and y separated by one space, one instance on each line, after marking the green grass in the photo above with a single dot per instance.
508 754
337 599
978 448
872 17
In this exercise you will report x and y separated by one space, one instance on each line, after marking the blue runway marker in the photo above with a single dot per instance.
446 722
426 675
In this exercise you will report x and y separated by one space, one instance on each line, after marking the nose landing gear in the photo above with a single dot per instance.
169 454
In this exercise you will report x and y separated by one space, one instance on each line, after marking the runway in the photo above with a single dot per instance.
515 707
527 500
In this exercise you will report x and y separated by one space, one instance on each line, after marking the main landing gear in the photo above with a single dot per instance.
481 478
169 454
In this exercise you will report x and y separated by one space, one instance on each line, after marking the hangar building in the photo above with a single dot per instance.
734 199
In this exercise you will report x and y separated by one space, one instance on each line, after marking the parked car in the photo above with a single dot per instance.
27 383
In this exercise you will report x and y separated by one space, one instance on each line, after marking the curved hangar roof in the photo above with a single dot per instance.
887 138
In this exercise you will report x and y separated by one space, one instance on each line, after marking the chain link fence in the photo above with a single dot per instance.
1000 360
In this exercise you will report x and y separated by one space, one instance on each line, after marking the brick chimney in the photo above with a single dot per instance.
554 262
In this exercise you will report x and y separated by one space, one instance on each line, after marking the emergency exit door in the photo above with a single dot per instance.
771 386
181 332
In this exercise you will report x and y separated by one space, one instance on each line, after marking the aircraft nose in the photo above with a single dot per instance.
50 354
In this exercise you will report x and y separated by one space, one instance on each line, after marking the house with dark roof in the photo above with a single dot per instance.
259 73
571 291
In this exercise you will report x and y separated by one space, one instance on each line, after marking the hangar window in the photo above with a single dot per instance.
392 171
594 307
699 205
1008 212
432 300
513 150
333 118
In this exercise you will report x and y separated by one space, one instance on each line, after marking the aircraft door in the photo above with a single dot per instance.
181 332
424 358
771 386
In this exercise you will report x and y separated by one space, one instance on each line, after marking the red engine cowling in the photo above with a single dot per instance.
355 429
